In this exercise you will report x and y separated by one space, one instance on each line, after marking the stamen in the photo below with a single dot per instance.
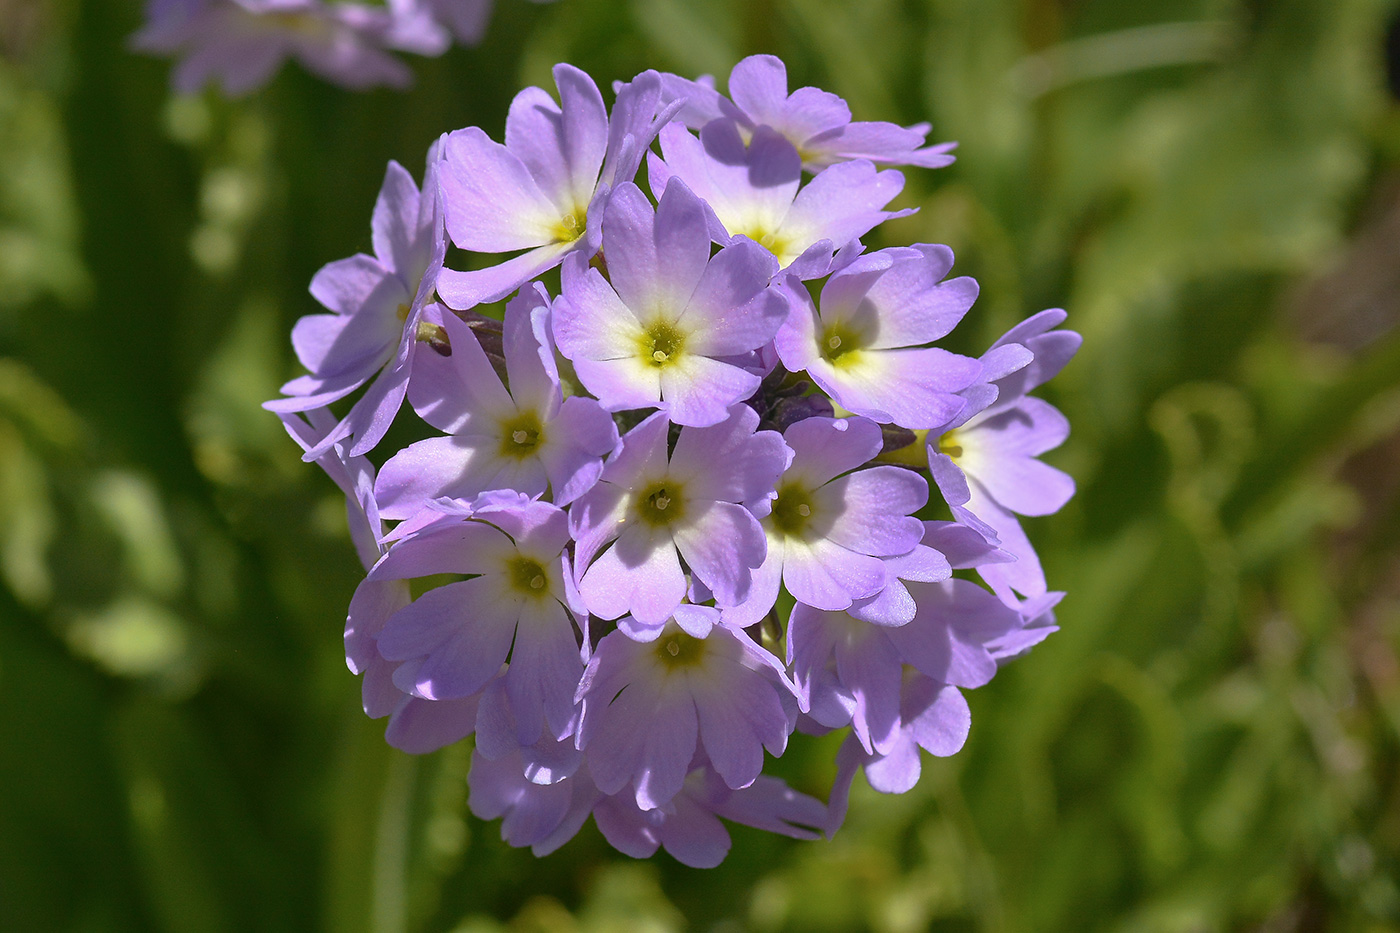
673 648
834 342
804 510
537 582
659 356
520 437
661 502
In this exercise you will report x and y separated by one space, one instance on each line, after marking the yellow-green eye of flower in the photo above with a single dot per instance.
679 649
660 344
792 510
660 504
527 577
522 435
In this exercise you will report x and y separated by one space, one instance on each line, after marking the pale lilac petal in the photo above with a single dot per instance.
948 637
1024 575
544 671
944 720
634 123
1052 350
347 285
492 203
1025 485
464 290
796 340
373 602
758 84
533 135
949 477
394 224
823 574
465 631
739 715
456 467
462 547
331 344
721 542
841 204
769 804
655 262
421 726
590 321
621 384
897 770
697 621
695 390
531 811
308 393
869 666
1028 428
874 509
640 574
763 589
916 306
962 545
824 448
693 835
749 188
583 130
731 310
627 828
729 461
701 101
810 112
529 352
913 388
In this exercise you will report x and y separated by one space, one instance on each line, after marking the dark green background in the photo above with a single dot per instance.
1209 187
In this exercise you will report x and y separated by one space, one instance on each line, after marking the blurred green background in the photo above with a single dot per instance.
1210 187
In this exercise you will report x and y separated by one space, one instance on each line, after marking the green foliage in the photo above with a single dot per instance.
1210 743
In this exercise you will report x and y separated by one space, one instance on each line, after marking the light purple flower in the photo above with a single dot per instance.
546 760
544 189
829 528
816 122
453 639
242 43
933 716
379 303
848 670
415 725
657 331
542 816
651 509
864 344
986 464
466 19
527 438
688 827
752 190
648 707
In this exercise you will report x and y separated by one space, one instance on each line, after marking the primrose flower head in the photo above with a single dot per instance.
680 506
816 122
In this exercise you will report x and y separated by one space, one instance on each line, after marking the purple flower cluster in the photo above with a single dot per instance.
242 43
672 516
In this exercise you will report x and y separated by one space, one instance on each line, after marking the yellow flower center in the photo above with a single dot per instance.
521 436
792 510
661 344
677 649
527 577
660 504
